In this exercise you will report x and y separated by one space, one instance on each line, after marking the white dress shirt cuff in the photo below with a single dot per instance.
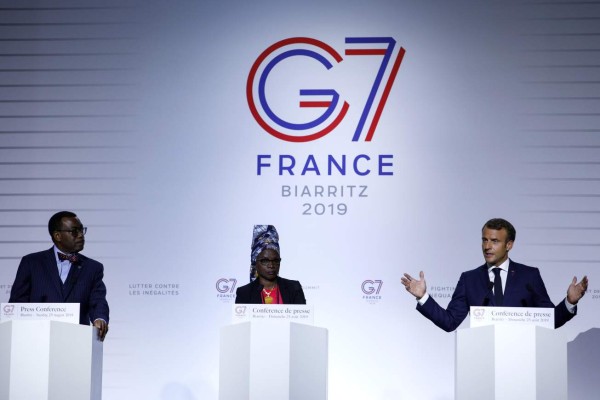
423 299
570 307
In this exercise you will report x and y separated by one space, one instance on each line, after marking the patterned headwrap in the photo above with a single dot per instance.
263 237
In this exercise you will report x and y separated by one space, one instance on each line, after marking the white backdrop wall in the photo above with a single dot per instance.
136 117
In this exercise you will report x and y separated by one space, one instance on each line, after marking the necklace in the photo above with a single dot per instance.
268 298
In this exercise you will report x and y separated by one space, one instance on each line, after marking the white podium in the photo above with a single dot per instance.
49 360
507 362
273 360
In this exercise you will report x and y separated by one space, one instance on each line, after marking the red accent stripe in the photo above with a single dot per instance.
250 81
386 93
315 103
365 52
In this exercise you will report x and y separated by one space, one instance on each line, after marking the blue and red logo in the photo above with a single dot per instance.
285 101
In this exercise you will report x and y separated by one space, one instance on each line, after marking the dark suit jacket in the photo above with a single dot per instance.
38 281
524 288
291 292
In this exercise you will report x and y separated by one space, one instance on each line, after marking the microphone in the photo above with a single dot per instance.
486 299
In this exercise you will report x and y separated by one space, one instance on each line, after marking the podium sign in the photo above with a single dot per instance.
60 312
484 316
49 360
299 313
505 361
272 352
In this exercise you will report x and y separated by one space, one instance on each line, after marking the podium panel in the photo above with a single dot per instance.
48 360
506 362
273 359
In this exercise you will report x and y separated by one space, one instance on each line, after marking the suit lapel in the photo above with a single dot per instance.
51 270
511 279
484 277
74 273
255 292
283 292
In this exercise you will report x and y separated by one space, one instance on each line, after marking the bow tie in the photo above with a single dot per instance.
71 257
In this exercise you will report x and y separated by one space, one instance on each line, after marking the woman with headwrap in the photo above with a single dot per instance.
266 287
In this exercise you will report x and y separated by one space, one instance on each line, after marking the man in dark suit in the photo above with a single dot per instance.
498 282
62 275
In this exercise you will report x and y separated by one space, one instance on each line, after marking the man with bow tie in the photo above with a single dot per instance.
498 282
62 275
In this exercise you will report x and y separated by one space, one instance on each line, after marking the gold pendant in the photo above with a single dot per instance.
268 300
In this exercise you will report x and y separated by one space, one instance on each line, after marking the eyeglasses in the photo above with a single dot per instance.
265 262
75 231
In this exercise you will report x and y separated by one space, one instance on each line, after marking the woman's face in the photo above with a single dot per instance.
267 264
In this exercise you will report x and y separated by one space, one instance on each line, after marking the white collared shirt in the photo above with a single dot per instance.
63 266
503 273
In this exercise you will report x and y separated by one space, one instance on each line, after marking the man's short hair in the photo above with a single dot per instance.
499 223
55 223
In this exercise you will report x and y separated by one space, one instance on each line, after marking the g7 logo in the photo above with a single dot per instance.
368 286
240 310
329 99
223 287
